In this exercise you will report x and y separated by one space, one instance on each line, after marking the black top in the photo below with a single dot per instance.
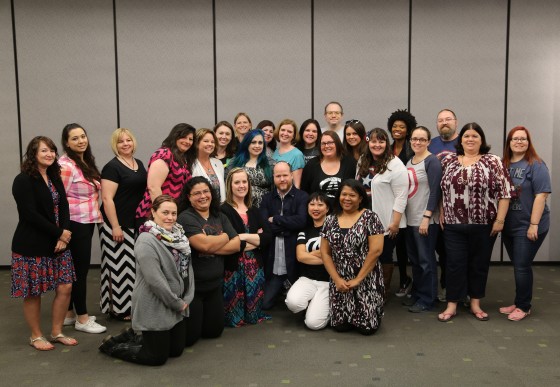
129 193
36 232
311 238
208 268
314 179
256 223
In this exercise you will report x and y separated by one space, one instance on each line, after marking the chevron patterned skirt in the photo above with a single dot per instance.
118 268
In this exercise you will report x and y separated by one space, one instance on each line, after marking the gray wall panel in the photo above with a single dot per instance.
165 67
264 59
533 88
9 157
458 61
361 58
67 71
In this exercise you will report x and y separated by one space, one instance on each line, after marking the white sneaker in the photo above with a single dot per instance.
89 327
72 320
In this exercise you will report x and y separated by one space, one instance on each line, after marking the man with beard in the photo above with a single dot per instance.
441 146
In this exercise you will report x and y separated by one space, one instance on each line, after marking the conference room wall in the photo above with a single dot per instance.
266 60
9 157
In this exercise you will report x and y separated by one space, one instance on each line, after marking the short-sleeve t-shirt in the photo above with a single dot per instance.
311 238
293 157
208 268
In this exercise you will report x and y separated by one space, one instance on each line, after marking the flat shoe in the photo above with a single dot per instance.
445 317
507 309
518 315
480 316
40 339
64 340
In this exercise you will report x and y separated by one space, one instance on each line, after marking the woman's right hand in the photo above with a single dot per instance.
341 285
118 235
66 236
185 307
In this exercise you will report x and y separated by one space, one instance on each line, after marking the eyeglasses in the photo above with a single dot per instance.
327 143
350 122
420 140
333 113
200 193
519 139
448 119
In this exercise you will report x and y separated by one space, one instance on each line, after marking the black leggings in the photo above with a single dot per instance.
158 346
206 316
80 247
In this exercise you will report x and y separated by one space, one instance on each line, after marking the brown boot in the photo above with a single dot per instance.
387 275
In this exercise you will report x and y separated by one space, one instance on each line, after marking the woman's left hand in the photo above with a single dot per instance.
393 230
423 229
353 283
533 232
497 227
60 246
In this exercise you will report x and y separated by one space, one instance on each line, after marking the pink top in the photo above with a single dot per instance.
83 196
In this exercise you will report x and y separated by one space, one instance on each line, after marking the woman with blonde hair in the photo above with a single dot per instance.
286 135
123 180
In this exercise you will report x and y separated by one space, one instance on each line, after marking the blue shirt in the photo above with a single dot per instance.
442 148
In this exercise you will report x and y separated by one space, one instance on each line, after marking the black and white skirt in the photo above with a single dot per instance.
118 268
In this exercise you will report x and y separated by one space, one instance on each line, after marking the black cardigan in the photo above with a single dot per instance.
256 222
37 233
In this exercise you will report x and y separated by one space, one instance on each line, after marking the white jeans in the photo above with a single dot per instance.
313 295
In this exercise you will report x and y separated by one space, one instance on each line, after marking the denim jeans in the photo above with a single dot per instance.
522 252
469 249
422 254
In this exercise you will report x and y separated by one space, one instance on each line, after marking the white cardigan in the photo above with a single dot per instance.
389 191
218 167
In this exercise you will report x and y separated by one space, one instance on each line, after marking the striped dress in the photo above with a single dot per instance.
177 177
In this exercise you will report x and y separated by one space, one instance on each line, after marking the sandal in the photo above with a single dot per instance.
445 317
480 315
64 340
507 309
518 315
40 340
120 316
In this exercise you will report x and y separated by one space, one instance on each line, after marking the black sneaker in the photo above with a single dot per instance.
418 308
408 301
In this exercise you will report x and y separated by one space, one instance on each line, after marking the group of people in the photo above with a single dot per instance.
225 222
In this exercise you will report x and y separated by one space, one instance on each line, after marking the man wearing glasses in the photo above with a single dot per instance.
333 116
441 146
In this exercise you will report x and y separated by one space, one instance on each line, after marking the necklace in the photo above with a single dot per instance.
128 164
207 168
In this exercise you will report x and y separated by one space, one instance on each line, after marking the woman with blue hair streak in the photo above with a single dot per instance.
251 156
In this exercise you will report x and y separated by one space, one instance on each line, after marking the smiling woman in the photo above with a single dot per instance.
206 165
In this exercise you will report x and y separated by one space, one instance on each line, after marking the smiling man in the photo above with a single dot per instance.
333 117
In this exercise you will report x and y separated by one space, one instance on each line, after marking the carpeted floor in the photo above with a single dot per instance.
408 350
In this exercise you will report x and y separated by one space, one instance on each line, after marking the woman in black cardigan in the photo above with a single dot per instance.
244 274
40 260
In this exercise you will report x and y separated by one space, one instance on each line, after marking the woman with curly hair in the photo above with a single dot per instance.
385 179
251 156
45 264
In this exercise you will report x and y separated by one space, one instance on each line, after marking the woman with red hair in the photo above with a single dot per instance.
528 218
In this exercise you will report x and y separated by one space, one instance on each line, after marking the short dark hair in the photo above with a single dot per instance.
301 143
484 147
355 186
335 103
404 116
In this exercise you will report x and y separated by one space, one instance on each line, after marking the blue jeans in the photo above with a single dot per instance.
469 249
522 252
422 254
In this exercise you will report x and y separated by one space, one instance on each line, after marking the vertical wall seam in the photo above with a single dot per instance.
16 74
117 92
409 51
312 59
214 61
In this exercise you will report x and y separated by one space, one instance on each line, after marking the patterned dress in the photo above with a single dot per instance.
244 290
33 276
361 307
173 185
260 185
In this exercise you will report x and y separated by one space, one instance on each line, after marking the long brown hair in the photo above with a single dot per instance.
530 155
367 159
29 163
248 199
87 165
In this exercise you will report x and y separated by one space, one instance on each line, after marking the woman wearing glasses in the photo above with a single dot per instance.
528 218
424 175
326 172
211 236
355 143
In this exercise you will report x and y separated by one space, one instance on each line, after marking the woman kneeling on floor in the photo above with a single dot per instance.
311 290
163 290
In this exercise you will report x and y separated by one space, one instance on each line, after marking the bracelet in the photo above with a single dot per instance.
534 224
427 217
499 221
